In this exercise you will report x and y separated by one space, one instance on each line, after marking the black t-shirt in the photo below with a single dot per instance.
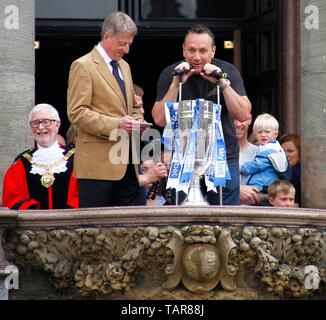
197 87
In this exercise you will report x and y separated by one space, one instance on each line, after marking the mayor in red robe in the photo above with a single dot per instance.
42 178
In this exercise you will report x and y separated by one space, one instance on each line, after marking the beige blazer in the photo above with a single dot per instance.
95 104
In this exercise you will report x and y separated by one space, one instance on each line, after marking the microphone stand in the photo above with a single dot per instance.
219 75
180 74
218 103
180 98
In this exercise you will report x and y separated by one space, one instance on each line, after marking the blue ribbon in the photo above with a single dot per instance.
174 139
182 167
172 122
190 152
222 172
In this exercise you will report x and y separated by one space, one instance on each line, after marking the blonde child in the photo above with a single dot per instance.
270 162
281 193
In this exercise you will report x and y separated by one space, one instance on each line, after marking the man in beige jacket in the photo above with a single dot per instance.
101 104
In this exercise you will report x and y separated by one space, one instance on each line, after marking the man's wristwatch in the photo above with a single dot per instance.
224 83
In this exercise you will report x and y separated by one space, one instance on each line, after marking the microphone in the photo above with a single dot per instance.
181 72
218 75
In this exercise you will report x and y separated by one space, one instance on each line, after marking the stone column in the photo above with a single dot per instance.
291 66
313 102
17 63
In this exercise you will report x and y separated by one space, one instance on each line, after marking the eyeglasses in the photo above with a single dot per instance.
45 123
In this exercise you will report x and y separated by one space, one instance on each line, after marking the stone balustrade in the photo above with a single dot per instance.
166 253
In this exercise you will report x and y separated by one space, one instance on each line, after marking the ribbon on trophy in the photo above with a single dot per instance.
171 140
218 170
214 164
171 119
190 152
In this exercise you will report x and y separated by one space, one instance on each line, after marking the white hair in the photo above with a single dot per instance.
265 121
54 114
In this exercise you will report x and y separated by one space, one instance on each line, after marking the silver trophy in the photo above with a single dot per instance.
206 157
205 138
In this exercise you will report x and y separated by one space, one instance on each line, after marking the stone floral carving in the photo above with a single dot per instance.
290 262
97 261
93 260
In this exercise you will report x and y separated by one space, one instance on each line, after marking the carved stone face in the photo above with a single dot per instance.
201 266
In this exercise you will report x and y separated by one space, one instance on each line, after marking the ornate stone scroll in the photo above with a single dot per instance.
204 258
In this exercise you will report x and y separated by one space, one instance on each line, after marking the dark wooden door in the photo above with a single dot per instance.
263 62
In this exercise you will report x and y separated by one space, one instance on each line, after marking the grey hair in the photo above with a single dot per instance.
118 22
45 107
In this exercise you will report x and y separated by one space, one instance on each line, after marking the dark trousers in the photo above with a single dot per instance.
231 192
109 193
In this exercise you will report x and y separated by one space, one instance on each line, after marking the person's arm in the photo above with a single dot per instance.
153 173
238 105
171 90
15 190
249 194
260 163
158 111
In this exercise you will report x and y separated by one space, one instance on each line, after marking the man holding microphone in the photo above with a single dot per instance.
200 72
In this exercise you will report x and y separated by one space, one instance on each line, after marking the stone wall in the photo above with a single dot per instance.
313 102
167 253
17 64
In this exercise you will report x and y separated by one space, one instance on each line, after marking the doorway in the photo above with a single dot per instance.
148 56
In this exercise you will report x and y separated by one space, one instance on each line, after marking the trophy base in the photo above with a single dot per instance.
195 198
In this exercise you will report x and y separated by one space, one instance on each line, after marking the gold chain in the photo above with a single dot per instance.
48 178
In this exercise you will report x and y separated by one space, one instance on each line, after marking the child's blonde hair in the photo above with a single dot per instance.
280 186
265 121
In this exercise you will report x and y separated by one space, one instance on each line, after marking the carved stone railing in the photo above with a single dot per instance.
170 252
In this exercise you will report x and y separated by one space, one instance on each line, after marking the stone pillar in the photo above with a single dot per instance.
17 64
291 66
313 102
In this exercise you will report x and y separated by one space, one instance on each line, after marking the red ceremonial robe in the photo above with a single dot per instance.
23 190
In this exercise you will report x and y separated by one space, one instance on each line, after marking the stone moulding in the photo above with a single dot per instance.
105 252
